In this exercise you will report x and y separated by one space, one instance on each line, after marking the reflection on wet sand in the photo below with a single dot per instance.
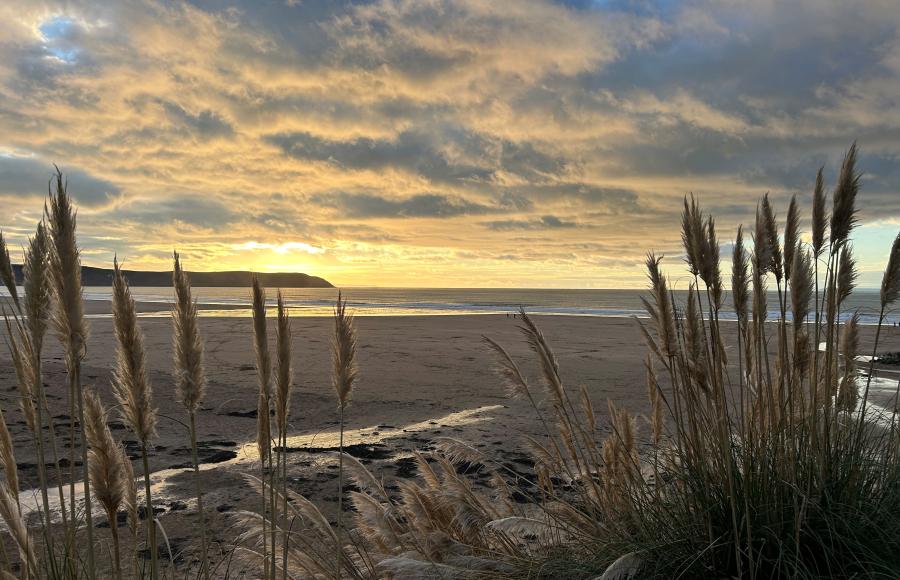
247 454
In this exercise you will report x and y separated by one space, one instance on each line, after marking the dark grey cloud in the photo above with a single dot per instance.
784 53
205 123
410 152
429 205
445 154
612 199
28 176
547 222
514 201
194 209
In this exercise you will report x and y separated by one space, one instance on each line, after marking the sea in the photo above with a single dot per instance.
372 301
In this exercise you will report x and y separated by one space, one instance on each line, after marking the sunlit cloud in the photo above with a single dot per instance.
284 248
448 142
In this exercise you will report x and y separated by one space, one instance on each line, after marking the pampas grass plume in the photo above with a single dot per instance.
65 268
740 282
819 217
770 227
890 284
847 274
284 375
105 457
791 236
131 382
343 350
801 285
843 214
37 285
190 379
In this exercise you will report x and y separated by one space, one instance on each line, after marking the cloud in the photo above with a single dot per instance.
205 123
30 176
409 152
362 205
190 209
547 222
448 155
282 248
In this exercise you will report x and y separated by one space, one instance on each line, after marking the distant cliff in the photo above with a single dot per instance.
103 277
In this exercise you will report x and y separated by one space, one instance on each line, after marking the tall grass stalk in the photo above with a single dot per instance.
36 282
263 423
106 469
131 385
284 385
65 268
190 382
343 377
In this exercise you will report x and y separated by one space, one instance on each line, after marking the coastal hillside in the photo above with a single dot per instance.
236 279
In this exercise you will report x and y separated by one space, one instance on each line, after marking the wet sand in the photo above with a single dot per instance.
420 377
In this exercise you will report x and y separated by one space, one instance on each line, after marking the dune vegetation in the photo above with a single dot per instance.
766 457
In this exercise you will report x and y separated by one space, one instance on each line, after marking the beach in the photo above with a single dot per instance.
421 377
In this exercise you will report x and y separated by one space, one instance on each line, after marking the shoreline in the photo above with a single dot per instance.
153 309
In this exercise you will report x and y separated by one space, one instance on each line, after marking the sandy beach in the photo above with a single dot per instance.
420 377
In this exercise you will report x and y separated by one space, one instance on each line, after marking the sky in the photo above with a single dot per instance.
465 143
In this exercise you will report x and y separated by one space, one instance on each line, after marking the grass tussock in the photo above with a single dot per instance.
766 456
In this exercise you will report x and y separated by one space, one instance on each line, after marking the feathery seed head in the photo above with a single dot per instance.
284 378
760 297
762 250
546 358
508 370
791 236
65 268
190 378
801 285
847 274
843 213
23 357
662 311
343 352
692 235
37 285
712 275
890 283
104 457
819 215
740 283
770 226
263 428
131 382
261 338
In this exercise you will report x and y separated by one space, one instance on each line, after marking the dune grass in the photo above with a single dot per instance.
764 459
